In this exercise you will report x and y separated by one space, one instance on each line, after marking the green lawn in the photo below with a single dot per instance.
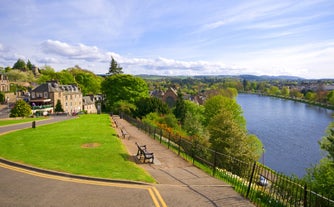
61 147
9 121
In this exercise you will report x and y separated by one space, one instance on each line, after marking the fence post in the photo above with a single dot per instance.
194 151
214 163
179 145
160 135
251 180
155 129
305 195
168 140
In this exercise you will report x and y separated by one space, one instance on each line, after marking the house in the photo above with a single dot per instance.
44 97
170 97
88 105
4 83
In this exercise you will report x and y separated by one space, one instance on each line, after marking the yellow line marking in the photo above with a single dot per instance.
159 197
153 192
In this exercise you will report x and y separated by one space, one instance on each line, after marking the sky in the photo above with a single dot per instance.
195 37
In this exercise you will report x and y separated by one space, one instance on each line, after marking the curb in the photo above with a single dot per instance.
68 175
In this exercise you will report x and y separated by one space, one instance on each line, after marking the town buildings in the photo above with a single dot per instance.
44 98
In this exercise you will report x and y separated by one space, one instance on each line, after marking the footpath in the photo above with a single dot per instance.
178 181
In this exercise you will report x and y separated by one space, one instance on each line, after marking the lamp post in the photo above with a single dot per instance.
263 155
8 106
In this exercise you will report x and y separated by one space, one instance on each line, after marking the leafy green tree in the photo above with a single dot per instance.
148 105
88 82
227 137
180 108
47 73
330 98
295 93
123 87
65 77
285 91
311 96
274 90
59 107
20 65
114 67
20 109
29 65
217 104
194 119
321 176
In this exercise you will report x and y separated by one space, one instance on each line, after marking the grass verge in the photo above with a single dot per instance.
86 145
9 121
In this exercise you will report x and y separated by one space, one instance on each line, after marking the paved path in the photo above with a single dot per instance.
14 127
179 182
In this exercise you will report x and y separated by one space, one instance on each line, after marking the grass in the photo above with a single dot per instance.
9 121
60 147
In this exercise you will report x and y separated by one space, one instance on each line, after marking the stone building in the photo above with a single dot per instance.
4 83
170 97
88 105
44 97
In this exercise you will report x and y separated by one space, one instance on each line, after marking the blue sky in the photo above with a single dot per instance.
172 37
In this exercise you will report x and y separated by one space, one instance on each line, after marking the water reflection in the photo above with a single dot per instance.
289 130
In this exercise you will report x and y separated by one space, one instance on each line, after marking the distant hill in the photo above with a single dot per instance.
246 77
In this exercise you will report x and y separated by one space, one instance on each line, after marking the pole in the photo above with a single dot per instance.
8 106
263 155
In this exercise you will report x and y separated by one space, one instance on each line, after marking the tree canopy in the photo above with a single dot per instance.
217 104
148 105
20 109
123 87
20 65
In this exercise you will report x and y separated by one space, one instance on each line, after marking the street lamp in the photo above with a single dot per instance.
8 105
263 155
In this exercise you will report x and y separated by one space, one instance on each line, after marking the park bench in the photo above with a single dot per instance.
125 133
116 123
143 153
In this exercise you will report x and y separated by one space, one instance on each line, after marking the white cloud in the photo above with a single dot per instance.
78 51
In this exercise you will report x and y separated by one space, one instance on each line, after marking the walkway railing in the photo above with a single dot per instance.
256 182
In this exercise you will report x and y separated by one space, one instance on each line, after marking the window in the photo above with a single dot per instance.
45 94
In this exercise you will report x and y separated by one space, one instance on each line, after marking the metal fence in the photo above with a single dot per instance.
256 182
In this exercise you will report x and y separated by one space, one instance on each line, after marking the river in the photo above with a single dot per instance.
289 131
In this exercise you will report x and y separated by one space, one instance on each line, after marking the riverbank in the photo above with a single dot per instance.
313 103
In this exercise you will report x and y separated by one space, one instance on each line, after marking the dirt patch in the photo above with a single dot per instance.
90 145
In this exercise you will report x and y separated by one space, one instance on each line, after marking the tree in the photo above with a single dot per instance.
29 65
227 137
148 105
216 104
114 67
180 108
193 123
59 107
123 87
321 176
20 65
20 109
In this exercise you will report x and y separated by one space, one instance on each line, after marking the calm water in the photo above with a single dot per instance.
289 130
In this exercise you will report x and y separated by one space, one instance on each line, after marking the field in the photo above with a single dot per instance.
87 145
